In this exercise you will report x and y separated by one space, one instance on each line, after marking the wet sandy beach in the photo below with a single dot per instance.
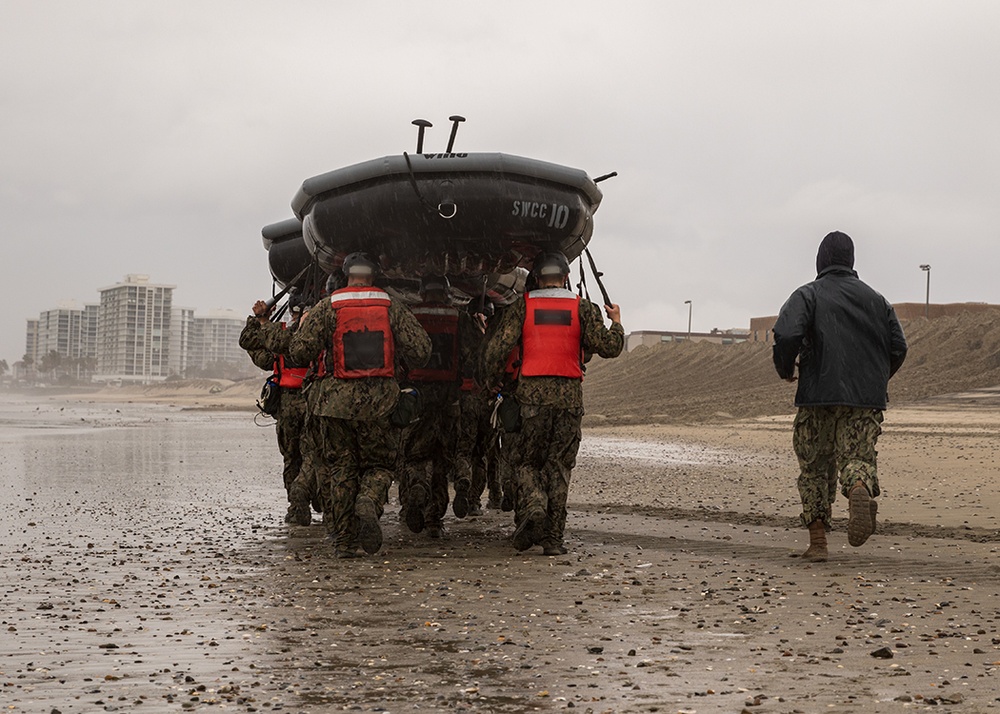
147 568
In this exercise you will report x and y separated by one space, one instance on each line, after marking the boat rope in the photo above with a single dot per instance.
413 182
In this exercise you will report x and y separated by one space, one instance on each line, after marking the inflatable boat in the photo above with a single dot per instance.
479 218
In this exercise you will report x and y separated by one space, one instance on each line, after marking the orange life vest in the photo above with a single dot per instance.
289 377
551 335
362 340
441 323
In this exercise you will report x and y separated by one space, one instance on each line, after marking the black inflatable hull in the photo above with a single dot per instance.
464 215
287 253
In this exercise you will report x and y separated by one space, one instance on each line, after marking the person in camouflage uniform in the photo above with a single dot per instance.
304 491
500 444
847 343
473 424
291 416
555 329
363 332
428 457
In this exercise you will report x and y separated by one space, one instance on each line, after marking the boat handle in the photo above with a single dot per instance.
447 209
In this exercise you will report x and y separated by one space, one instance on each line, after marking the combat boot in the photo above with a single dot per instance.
369 530
460 505
874 513
416 501
816 552
861 523
529 531
554 549
299 514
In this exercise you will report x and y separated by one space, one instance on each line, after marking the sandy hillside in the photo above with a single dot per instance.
693 382
699 381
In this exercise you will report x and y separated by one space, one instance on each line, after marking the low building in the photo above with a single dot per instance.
651 338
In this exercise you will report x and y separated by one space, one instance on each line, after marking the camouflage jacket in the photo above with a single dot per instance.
358 399
562 392
277 338
252 340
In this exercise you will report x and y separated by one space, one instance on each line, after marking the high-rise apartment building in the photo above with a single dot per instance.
136 335
31 341
181 333
215 345
133 331
67 330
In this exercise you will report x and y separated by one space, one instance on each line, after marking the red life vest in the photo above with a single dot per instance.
441 323
362 340
289 377
550 337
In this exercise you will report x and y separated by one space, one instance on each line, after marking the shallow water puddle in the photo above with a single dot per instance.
600 447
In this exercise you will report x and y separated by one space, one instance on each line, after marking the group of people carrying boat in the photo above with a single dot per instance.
433 397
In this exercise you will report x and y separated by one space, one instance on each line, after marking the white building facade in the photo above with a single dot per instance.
133 331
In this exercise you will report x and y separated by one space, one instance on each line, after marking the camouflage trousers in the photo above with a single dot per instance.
307 488
546 449
502 459
428 458
834 444
290 422
471 436
359 457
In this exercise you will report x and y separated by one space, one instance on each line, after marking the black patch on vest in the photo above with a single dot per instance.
442 351
364 350
553 317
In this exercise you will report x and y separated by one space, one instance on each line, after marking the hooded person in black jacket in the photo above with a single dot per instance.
846 341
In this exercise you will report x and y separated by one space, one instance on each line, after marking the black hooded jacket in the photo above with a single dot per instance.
846 337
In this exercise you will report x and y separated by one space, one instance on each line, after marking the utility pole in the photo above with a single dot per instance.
927 302
690 307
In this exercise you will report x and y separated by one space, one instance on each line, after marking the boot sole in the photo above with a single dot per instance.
861 523
416 500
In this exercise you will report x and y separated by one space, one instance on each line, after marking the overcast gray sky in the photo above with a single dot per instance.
152 137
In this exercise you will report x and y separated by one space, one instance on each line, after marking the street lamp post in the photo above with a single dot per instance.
690 306
927 301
